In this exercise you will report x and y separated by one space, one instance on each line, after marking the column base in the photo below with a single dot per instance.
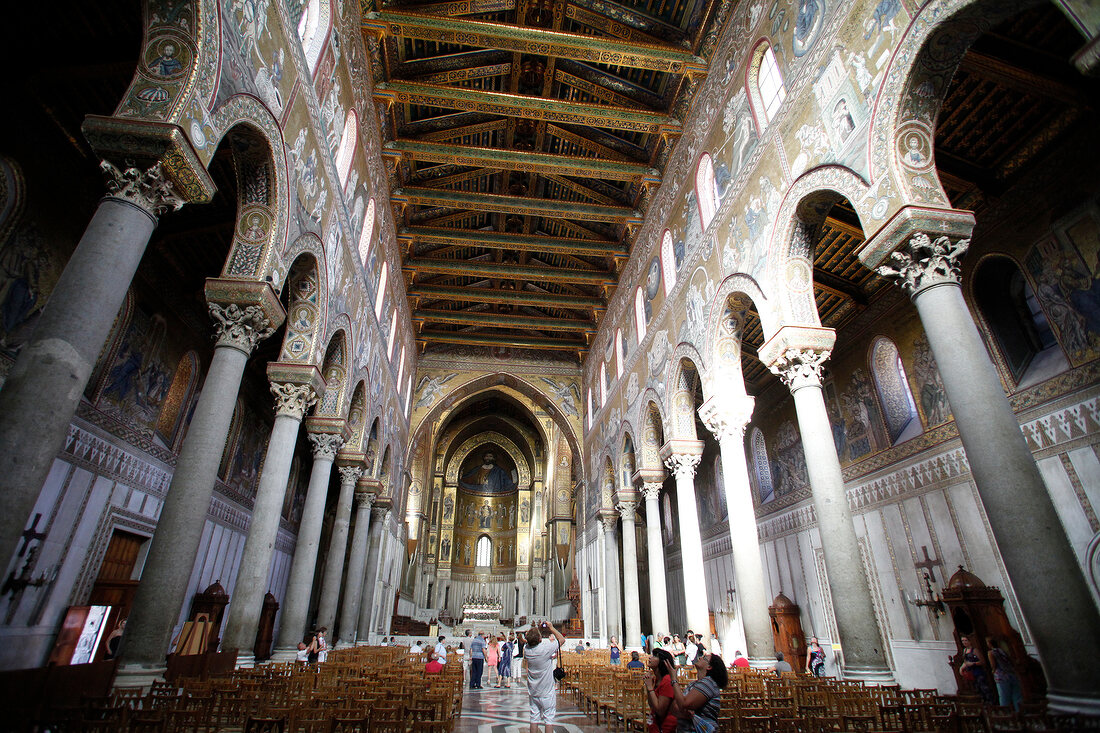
873 676
246 661
135 675
1070 703
281 654
344 644
762 662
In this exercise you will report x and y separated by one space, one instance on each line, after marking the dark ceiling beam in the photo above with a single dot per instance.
524 107
411 68
839 286
521 160
964 170
467 7
494 339
519 205
465 294
512 272
636 18
589 145
844 227
424 177
514 242
537 41
502 320
609 26
1028 70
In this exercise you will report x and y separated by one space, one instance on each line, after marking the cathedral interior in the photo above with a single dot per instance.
767 319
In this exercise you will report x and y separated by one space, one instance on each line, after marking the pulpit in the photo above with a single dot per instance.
265 634
787 630
210 604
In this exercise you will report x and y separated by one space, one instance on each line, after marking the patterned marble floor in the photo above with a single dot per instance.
506 710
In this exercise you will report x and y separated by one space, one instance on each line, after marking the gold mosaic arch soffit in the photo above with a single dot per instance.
459 456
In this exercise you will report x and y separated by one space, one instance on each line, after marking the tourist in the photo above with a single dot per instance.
385 641
691 648
467 641
322 645
416 648
659 694
517 658
1004 674
698 708
434 665
579 648
492 659
781 666
504 667
615 651
303 653
678 650
541 690
441 650
739 660
972 669
634 662
477 660
815 658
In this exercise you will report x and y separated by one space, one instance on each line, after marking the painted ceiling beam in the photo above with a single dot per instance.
519 160
468 7
495 339
502 271
511 297
515 242
502 320
519 205
526 107
537 41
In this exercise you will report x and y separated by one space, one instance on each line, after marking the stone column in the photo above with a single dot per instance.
45 384
353 594
1038 556
632 624
797 355
299 585
601 573
165 575
682 457
374 562
658 588
292 399
610 518
1085 17
727 418
338 545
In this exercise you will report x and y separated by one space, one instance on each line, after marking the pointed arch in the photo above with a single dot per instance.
367 233
668 262
766 87
706 192
380 293
334 369
177 404
305 309
899 410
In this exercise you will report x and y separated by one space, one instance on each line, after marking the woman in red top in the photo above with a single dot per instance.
658 685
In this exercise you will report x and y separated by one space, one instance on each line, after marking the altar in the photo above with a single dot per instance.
481 609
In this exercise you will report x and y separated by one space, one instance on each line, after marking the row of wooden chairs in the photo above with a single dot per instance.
358 690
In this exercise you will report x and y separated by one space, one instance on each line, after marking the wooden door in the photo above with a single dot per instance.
115 586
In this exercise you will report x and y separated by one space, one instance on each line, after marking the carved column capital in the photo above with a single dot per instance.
683 465
293 399
799 368
378 514
727 417
150 190
349 474
609 518
924 262
652 490
365 498
240 328
626 509
325 445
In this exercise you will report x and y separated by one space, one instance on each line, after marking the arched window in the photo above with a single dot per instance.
591 409
174 410
346 151
898 407
639 313
619 353
1018 325
380 296
766 90
367 233
706 192
393 334
408 395
603 383
401 366
314 25
484 554
668 262
761 467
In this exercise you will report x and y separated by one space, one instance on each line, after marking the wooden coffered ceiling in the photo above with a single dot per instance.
525 137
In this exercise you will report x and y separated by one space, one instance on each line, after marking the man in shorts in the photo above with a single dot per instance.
539 654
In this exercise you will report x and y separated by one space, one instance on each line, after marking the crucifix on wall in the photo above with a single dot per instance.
928 564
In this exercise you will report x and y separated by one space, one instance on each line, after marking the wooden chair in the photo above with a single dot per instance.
264 725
